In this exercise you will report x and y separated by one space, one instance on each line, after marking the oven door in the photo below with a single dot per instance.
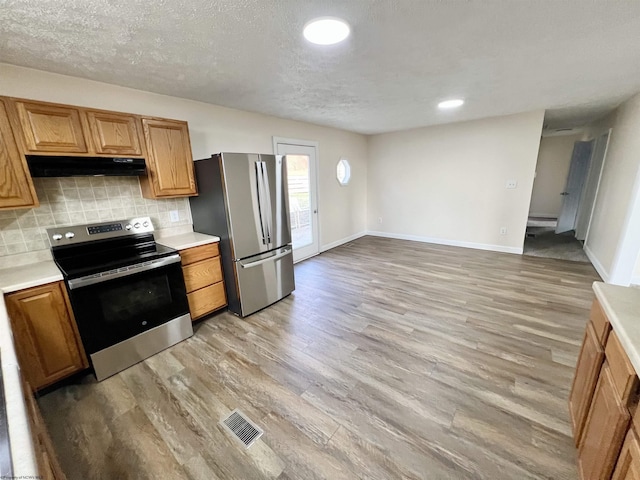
120 304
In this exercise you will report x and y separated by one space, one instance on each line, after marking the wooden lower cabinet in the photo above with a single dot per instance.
628 466
604 430
605 392
202 272
584 383
48 345
47 461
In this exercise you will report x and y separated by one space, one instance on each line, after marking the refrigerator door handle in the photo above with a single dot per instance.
260 191
267 189
286 251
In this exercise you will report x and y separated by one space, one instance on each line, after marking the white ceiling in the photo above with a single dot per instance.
576 58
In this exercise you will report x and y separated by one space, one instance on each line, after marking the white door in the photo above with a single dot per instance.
591 187
303 197
573 189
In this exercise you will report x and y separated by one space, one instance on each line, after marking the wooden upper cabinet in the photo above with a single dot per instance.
47 341
51 128
628 466
114 133
169 159
16 187
604 430
584 382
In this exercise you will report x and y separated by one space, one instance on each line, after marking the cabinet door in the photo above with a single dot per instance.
628 466
170 163
16 187
604 430
51 128
584 382
114 133
47 342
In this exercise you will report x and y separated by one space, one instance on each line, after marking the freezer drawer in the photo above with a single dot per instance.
264 279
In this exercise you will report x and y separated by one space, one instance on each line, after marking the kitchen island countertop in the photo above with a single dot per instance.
622 307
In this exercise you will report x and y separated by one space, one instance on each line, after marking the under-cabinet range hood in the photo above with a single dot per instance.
64 166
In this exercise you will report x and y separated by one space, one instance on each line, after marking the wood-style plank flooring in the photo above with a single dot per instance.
392 359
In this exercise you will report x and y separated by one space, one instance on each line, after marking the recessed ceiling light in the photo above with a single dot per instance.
453 103
326 30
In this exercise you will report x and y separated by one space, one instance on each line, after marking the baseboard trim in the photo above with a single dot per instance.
451 243
342 241
597 265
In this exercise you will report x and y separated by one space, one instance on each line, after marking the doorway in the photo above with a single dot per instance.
566 184
303 195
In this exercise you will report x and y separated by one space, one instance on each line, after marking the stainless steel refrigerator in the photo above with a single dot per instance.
243 199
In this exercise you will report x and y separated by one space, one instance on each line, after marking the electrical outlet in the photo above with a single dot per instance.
379 219
512 183
174 216
503 230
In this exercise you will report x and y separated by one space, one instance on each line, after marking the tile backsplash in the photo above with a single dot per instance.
76 200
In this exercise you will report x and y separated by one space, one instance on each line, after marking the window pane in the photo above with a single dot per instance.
299 200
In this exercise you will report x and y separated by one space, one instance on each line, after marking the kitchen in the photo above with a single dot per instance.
345 213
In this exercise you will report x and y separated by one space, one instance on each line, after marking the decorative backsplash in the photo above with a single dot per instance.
76 200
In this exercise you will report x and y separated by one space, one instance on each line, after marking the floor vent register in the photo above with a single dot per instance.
242 428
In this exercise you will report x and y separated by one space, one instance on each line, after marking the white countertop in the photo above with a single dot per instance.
27 276
187 240
622 307
23 458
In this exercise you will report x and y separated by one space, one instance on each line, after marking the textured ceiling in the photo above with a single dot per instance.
576 58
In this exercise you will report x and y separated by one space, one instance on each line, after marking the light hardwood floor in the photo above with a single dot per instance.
392 359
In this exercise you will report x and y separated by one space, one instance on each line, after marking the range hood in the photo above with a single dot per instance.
62 166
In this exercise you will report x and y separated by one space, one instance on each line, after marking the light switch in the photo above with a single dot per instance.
174 216
512 183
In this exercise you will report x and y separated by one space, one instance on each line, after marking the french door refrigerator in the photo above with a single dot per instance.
243 199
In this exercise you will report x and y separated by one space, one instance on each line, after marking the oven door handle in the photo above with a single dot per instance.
122 272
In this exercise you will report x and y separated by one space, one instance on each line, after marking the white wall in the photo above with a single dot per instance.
613 241
554 159
342 210
446 184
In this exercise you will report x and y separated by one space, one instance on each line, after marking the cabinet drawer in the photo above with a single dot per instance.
200 274
622 372
195 254
206 300
600 323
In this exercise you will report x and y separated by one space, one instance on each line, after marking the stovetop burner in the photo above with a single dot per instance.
83 250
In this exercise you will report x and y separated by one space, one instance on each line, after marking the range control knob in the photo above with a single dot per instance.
136 225
145 224
127 226
56 236
69 235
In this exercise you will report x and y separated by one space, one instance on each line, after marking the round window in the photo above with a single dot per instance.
343 171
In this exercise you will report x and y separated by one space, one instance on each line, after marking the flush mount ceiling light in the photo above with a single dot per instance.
453 103
326 31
